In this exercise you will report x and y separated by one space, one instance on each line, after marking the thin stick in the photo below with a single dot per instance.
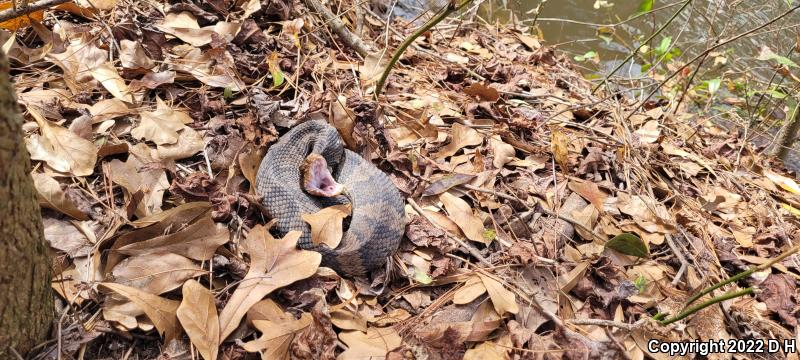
347 37
601 322
25 10
472 250
643 43
443 13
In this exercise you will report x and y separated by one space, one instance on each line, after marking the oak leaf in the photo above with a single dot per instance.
274 263
198 315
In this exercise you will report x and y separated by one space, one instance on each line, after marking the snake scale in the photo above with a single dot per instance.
377 222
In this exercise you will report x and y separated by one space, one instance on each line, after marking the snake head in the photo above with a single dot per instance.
317 179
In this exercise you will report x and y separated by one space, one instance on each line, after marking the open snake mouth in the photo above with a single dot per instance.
317 179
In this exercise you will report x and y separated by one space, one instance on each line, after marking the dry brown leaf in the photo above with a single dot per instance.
51 196
267 309
162 125
462 137
197 241
276 336
560 146
274 263
67 237
376 342
503 153
212 70
343 119
61 149
589 191
250 8
189 143
155 273
503 300
182 214
326 224
482 92
108 76
198 315
373 66
132 176
81 55
649 132
490 350
346 320
462 215
472 288
161 311
133 56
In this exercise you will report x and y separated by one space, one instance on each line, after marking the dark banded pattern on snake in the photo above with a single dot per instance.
377 222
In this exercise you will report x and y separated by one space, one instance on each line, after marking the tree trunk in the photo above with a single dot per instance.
26 304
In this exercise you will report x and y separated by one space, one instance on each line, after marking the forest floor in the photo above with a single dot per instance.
147 121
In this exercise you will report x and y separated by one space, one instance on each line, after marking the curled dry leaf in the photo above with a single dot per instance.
108 76
132 176
503 153
51 196
461 213
472 288
589 191
560 146
198 315
60 148
161 126
276 336
326 224
462 137
274 263
197 241
161 311
503 300
189 143
67 237
376 342
133 56
649 132
347 320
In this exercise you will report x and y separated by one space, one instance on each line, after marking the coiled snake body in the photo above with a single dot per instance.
377 221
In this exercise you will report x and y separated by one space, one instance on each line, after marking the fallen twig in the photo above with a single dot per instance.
12 13
347 37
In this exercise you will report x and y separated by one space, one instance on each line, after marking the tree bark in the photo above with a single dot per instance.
26 304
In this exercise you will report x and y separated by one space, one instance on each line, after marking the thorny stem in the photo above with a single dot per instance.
443 13
643 43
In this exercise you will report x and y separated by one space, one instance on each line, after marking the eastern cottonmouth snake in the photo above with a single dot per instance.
315 148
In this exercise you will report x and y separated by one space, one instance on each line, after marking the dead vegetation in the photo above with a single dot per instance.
147 121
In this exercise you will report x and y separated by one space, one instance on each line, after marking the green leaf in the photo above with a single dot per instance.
629 244
587 56
227 93
640 283
421 277
277 77
713 85
489 234
663 47
766 54
644 6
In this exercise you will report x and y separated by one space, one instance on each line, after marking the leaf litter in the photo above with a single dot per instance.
534 207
